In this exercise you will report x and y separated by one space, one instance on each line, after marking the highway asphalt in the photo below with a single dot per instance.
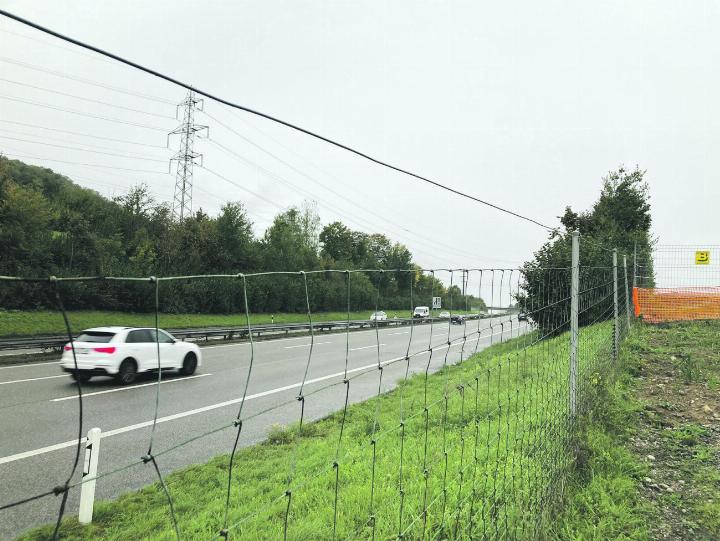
39 406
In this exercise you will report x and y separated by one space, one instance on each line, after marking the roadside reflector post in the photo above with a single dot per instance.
87 488
616 321
574 313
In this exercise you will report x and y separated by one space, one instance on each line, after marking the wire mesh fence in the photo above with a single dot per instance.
676 283
460 429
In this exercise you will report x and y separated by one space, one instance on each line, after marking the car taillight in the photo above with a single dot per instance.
68 348
110 349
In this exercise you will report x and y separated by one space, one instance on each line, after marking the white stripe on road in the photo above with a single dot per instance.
145 424
307 345
27 365
366 347
85 395
63 445
32 379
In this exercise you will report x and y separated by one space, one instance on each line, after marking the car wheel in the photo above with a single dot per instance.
189 365
127 372
81 377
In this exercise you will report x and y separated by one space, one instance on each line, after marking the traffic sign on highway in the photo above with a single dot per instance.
437 303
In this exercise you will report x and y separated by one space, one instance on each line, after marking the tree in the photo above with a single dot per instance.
235 238
338 243
620 218
51 226
26 219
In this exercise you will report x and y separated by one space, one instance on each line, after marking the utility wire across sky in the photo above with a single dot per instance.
268 117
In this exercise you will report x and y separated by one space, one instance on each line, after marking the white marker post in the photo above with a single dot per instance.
87 489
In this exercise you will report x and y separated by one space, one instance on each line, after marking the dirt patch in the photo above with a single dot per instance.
678 383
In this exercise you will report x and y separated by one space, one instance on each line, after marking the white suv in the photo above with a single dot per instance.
123 352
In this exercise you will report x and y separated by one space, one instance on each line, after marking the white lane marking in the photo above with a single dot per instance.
32 379
307 345
237 344
27 365
85 395
72 443
144 424
365 347
396 333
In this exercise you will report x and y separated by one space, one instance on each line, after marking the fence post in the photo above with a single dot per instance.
616 330
87 489
574 294
635 265
627 292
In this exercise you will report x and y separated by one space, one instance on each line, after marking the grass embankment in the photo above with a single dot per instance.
481 448
651 460
27 323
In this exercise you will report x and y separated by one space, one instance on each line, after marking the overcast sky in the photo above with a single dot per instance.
525 104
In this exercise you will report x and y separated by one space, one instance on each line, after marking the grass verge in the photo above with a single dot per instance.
651 455
476 450
28 323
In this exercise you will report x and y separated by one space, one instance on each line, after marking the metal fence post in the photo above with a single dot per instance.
87 489
616 330
574 294
635 271
627 292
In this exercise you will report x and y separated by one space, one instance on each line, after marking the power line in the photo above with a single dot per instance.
82 149
269 201
81 113
440 246
14 155
271 118
85 81
75 96
343 214
75 178
107 169
63 140
56 46
164 147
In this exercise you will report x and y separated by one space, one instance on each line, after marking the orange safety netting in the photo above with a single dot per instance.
677 303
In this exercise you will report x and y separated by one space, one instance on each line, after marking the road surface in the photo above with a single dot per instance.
39 406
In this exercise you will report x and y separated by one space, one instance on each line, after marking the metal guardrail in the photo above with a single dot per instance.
56 342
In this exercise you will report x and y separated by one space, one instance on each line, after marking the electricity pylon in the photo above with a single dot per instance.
186 157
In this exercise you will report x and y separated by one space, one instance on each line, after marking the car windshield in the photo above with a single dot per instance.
95 336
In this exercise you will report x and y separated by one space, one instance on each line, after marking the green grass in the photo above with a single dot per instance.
603 502
607 498
484 445
28 323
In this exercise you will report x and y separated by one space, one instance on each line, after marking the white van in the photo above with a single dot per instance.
421 312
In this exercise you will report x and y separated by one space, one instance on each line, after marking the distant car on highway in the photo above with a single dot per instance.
457 319
421 312
124 352
444 315
522 316
378 316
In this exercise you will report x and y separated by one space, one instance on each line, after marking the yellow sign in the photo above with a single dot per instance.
702 257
